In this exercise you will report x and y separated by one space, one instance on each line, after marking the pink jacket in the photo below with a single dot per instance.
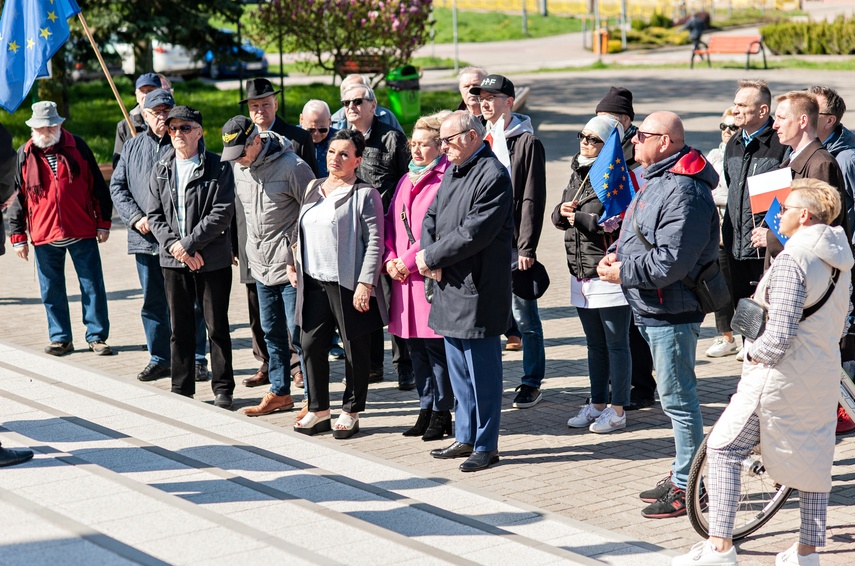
408 309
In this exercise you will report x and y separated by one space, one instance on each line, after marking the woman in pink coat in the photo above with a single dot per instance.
408 307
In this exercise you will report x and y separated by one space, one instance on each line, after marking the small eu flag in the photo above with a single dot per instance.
611 179
31 32
773 221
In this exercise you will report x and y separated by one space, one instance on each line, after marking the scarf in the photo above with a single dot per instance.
418 172
34 154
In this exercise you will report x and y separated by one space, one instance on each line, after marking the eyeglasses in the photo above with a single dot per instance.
785 208
317 130
592 140
826 114
644 135
451 137
183 128
490 99
355 102
156 112
731 127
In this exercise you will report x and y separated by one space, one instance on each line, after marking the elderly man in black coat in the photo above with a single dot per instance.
466 235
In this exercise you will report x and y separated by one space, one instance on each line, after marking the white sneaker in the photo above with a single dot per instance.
741 355
608 421
791 557
585 417
721 348
705 554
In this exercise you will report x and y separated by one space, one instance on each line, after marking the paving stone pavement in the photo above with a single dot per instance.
574 474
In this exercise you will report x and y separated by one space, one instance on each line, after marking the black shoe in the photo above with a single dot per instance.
10 457
202 372
153 371
59 348
223 401
636 403
672 504
440 425
528 396
456 450
661 489
479 461
421 425
375 375
406 380
100 348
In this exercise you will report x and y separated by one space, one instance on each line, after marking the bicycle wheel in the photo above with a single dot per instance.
759 497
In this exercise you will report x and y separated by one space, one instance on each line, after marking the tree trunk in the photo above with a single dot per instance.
143 57
55 88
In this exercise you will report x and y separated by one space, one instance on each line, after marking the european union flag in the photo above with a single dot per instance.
31 32
610 178
773 220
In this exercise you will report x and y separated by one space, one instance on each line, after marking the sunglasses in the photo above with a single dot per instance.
184 128
785 208
592 140
317 130
355 102
731 127
451 137
644 135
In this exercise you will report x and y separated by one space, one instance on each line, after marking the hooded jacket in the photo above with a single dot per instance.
269 194
841 145
129 186
796 399
210 206
763 153
528 178
300 139
675 212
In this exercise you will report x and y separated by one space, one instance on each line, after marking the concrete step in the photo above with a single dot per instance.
125 472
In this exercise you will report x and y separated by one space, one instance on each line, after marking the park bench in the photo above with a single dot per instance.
731 44
363 64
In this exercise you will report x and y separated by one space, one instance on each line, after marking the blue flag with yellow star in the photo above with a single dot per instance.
773 220
31 32
610 178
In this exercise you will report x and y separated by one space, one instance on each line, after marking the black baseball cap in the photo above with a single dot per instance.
236 133
185 113
495 84
159 97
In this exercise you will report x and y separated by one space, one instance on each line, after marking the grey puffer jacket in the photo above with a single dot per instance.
269 195
676 214
129 186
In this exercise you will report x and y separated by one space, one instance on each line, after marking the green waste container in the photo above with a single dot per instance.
404 93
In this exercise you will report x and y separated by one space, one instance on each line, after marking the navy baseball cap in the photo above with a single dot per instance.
148 79
159 97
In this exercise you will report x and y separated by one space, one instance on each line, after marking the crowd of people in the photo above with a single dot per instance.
342 225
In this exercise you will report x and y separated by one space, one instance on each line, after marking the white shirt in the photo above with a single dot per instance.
183 171
320 237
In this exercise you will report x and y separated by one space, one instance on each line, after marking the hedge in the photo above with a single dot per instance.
811 38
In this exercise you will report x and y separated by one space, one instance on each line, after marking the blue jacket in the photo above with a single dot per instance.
675 212
842 147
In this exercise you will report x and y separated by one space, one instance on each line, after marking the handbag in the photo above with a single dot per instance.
430 284
749 318
710 287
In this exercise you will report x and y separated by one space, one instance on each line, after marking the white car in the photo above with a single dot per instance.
168 58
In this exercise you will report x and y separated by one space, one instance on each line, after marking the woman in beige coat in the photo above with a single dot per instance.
787 397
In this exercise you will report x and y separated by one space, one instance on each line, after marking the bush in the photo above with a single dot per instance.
657 37
659 20
811 38
615 46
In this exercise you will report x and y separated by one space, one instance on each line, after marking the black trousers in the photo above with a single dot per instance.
400 353
724 315
742 275
259 345
322 311
213 289
643 384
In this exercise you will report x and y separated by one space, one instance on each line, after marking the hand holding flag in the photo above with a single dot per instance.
611 179
773 220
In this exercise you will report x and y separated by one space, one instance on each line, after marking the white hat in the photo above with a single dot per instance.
603 126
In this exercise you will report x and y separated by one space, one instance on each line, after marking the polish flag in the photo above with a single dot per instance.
766 187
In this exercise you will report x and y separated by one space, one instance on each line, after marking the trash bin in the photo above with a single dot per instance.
601 41
404 93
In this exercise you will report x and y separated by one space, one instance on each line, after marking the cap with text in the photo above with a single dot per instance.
237 132
495 84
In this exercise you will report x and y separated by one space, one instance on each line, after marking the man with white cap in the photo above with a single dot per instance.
65 205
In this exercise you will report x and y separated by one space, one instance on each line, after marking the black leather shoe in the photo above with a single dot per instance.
223 401
9 457
59 348
375 375
406 380
153 371
456 450
636 403
479 461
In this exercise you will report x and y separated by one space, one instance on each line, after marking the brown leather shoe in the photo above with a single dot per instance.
270 404
260 378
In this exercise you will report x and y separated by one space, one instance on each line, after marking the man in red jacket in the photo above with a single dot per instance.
65 205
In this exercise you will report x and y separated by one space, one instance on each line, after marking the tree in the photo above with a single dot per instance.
386 32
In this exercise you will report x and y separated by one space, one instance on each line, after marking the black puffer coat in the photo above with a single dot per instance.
586 242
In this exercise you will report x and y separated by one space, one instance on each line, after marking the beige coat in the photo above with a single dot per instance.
796 399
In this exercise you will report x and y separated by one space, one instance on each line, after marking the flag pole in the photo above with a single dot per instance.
107 73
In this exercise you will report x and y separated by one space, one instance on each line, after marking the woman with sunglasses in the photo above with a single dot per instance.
338 261
408 305
726 344
602 308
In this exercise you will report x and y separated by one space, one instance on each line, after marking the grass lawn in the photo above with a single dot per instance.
94 111
789 63
495 26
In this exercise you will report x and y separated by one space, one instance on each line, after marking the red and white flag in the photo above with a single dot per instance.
766 187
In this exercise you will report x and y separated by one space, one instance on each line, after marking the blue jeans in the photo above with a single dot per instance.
527 318
673 348
155 314
607 334
50 265
475 369
277 306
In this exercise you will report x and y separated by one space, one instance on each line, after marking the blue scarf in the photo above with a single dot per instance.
417 172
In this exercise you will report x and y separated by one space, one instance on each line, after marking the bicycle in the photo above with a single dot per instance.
760 496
